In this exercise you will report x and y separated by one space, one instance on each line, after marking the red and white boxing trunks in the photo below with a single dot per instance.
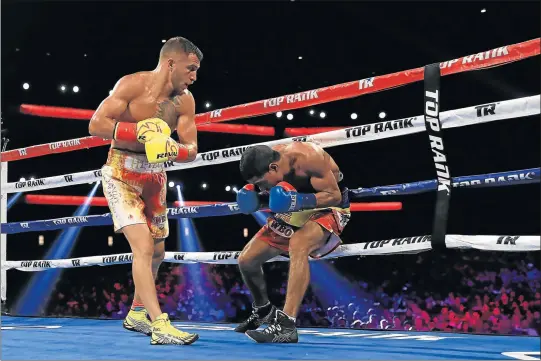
135 191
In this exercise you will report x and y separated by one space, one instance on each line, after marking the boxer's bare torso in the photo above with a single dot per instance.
148 100
303 157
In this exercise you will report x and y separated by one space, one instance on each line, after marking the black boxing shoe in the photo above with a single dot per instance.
259 316
282 330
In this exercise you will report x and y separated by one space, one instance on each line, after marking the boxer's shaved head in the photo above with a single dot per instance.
179 45
183 59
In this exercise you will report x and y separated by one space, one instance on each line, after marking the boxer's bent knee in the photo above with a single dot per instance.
246 261
308 239
255 253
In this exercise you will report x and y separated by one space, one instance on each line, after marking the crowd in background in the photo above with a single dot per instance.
459 291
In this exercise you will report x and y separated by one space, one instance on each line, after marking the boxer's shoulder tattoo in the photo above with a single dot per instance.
168 110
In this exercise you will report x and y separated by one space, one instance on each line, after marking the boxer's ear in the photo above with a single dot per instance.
273 167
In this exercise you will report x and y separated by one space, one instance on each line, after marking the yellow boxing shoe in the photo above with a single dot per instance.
137 321
163 333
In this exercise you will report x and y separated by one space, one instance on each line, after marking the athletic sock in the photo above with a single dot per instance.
137 306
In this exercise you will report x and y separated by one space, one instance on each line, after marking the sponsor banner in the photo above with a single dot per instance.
514 108
404 245
434 131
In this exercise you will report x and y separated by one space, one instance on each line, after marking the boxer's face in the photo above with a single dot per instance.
183 69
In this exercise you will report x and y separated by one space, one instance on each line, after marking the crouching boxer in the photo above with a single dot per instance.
299 181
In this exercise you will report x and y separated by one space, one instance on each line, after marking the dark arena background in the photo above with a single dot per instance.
412 279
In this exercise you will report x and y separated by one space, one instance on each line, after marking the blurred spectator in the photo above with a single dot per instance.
491 293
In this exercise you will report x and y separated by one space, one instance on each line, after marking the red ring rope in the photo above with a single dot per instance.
60 200
298 132
92 142
486 59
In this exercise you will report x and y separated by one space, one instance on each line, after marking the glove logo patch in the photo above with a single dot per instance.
171 150
293 203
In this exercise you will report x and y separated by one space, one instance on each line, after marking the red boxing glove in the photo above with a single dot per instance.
288 187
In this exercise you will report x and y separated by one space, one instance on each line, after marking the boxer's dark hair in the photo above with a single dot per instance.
255 161
179 44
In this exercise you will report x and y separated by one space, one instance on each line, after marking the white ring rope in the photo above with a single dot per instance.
507 109
404 245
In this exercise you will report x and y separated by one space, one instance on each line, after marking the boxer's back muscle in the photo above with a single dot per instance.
298 176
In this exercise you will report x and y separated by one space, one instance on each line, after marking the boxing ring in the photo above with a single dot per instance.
50 337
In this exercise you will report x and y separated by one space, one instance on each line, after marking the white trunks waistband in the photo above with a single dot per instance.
132 161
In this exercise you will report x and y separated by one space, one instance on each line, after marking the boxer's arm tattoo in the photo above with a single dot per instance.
167 110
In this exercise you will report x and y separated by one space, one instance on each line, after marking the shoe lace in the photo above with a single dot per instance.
273 328
253 316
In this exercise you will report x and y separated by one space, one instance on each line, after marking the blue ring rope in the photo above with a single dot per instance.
516 177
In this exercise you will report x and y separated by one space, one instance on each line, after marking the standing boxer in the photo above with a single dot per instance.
138 116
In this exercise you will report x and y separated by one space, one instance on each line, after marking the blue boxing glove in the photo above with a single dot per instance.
285 198
248 199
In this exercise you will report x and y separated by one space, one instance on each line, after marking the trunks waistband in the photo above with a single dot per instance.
298 219
128 160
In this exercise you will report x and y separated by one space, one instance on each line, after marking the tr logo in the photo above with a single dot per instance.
487 109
